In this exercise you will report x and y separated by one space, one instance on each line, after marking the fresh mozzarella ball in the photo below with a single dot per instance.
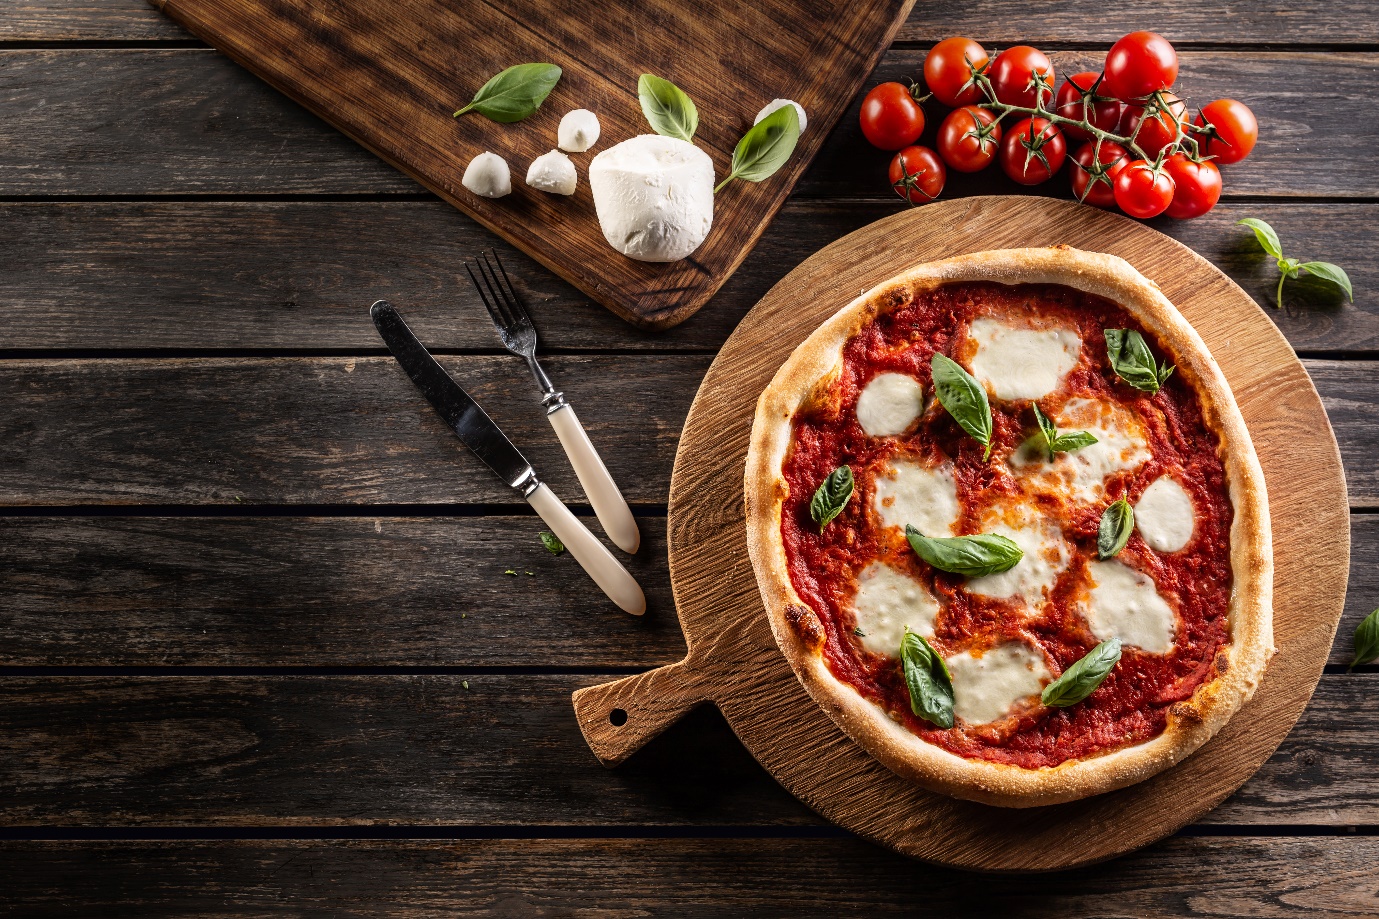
553 172
578 131
487 175
782 103
653 196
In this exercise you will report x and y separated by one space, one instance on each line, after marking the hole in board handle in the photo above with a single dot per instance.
617 717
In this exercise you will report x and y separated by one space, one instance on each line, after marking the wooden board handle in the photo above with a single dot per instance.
618 718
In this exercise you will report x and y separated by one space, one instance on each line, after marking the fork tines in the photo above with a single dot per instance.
495 289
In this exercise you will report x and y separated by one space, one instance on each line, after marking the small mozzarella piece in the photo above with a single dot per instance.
1018 363
653 196
886 603
553 172
578 131
487 175
1121 445
1125 604
987 688
889 404
775 104
1046 555
1164 515
922 496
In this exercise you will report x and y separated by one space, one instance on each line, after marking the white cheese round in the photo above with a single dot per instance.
578 131
889 404
553 172
1018 363
1164 515
775 104
1121 445
1046 555
922 496
886 603
653 196
987 688
1124 604
487 175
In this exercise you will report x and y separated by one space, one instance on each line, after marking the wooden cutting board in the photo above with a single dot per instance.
389 73
733 660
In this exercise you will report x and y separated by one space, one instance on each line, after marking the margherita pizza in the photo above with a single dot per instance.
1010 529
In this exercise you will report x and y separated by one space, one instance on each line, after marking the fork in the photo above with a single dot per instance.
518 335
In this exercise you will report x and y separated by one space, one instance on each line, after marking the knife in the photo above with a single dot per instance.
478 432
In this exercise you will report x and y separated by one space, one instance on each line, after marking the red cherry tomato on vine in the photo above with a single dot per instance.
1103 115
1033 151
1139 64
947 71
1142 191
1097 185
1014 72
891 118
1158 130
963 141
1236 126
1196 186
917 175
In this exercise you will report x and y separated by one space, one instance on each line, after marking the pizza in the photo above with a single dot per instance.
1009 527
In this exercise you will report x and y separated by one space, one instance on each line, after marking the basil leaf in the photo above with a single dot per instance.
1268 239
766 147
1366 640
963 398
1133 362
973 556
928 679
1117 523
1060 443
1333 273
515 93
552 543
1046 427
1081 679
666 107
831 497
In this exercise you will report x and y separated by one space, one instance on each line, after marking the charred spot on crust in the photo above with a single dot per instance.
1222 662
1186 711
806 624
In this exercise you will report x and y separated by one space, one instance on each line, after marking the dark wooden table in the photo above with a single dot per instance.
258 652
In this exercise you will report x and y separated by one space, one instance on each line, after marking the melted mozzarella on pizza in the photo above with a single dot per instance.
988 687
925 497
889 404
1164 515
1121 445
1046 555
1017 363
888 602
1125 604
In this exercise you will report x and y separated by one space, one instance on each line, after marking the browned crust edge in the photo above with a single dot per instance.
1192 722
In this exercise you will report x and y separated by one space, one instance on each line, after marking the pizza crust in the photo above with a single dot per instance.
1240 666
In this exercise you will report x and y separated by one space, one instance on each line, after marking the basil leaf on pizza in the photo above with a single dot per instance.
928 680
1133 362
1061 443
831 497
964 398
1117 523
971 556
1081 679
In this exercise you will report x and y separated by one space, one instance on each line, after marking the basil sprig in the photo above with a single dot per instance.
766 147
1133 362
831 496
515 93
1366 640
928 679
1291 268
1081 679
1060 443
962 397
972 556
667 108
552 543
1117 523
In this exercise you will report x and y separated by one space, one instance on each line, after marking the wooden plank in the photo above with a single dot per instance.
191 122
87 20
213 275
502 750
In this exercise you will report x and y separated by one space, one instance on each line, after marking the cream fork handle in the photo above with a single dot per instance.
607 572
609 504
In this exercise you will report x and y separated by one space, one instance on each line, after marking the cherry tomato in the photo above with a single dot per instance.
1103 114
1139 64
948 75
1142 191
1158 130
1236 126
1097 185
1196 186
1033 151
917 175
891 118
962 141
1014 73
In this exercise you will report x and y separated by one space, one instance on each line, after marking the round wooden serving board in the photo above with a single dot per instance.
733 660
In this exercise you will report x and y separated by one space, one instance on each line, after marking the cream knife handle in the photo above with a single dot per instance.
607 572
608 502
